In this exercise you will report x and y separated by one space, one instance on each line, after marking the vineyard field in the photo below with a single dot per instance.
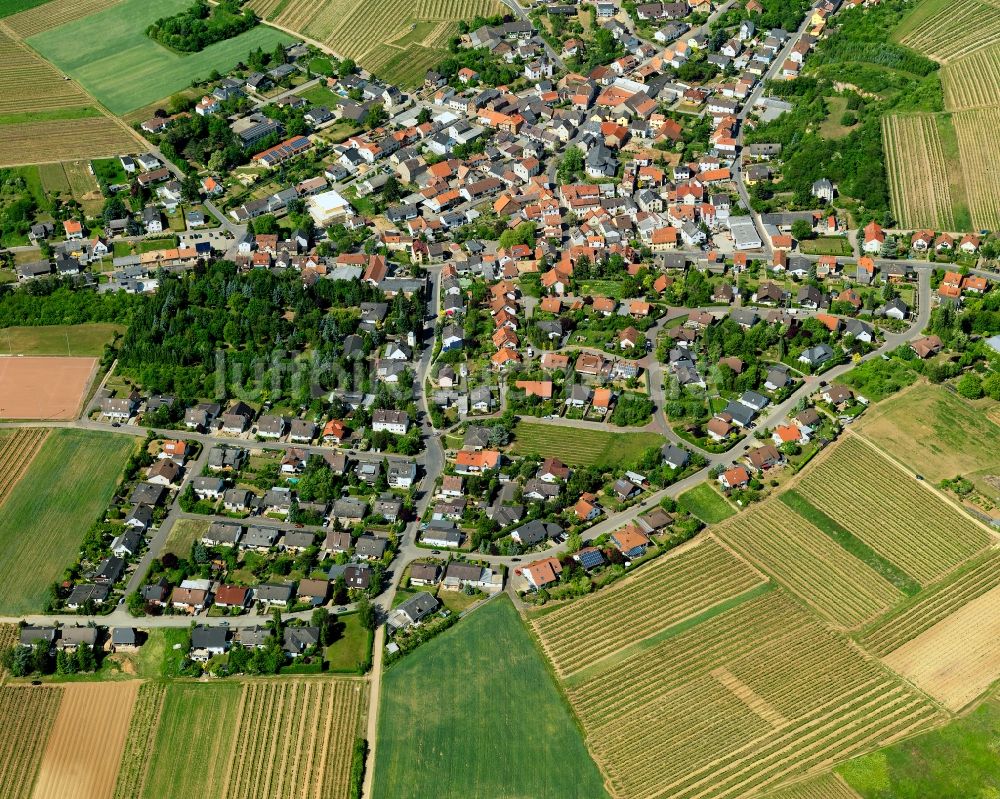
841 588
889 510
957 659
27 715
932 606
63 140
740 704
979 152
142 728
31 84
53 14
973 81
398 40
17 451
662 593
296 740
826 787
946 30
87 740
919 179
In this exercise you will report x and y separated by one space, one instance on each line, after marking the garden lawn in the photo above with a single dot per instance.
76 340
826 245
954 762
352 648
194 740
183 534
475 712
706 503
577 447
42 523
110 54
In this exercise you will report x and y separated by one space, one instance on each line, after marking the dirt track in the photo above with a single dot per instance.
44 388
959 657
85 746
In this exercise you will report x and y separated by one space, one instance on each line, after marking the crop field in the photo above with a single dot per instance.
42 522
918 171
205 718
296 739
55 13
890 511
400 38
933 605
979 153
958 658
826 787
136 756
740 704
660 594
44 388
973 81
475 713
934 430
842 589
85 340
17 451
31 84
27 715
87 739
577 447
946 30
110 55
706 503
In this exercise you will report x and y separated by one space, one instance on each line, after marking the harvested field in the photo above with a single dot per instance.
949 29
935 430
979 152
663 723
889 510
841 588
918 171
296 739
27 715
62 140
973 81
44 388
87 740
933 606
664 592
54 14
958 658
17 451
138 750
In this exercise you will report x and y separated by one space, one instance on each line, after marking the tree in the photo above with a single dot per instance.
571 165
970 386
366 612
321 618
376 116
801 230
424 116
136 604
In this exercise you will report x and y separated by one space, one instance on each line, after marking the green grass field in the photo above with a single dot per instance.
352 647
475 713
826 245
958 761
577 447
706 503
183 533
77 340
194 739
44 518
109 53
